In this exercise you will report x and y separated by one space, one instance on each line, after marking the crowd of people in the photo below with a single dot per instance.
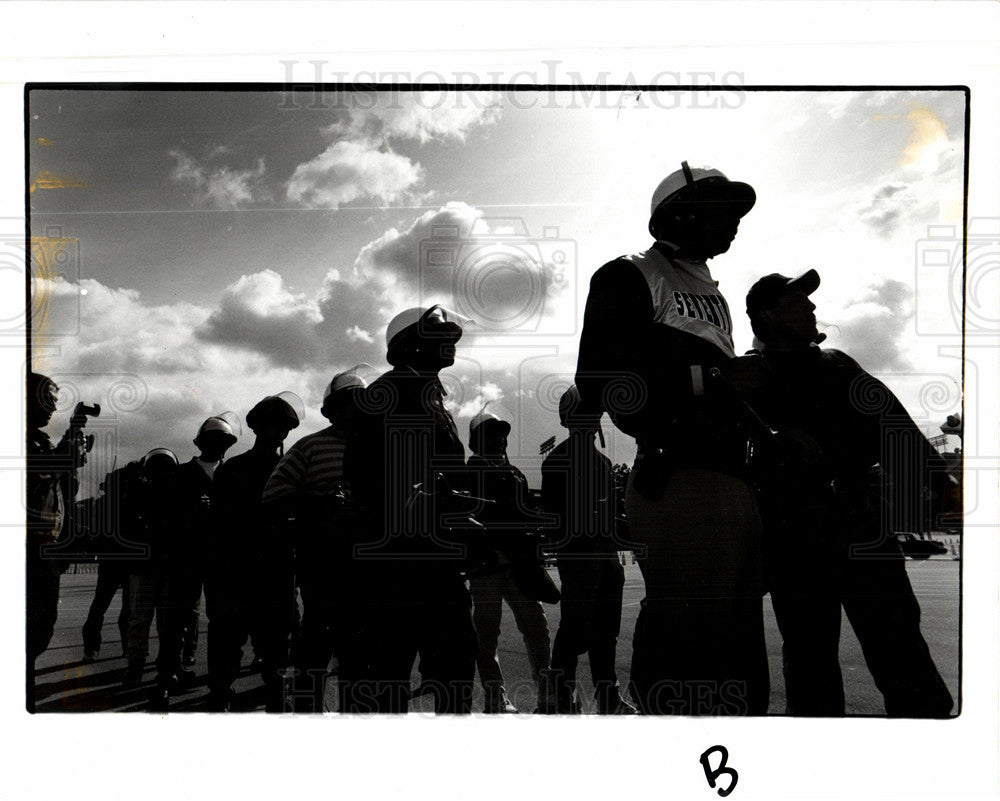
761 473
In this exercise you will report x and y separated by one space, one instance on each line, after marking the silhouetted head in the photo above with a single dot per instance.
572 414
699 210
274 416
217 435
781 314
424 339
488 434
42 394
341 397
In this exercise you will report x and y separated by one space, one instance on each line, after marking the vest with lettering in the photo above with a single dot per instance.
685 296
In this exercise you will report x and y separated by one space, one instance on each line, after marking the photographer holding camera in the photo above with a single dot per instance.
51 486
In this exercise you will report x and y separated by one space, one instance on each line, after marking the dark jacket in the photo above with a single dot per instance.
510 519
51 485
639 370
578 490
407 438
239 533
190 517
852 423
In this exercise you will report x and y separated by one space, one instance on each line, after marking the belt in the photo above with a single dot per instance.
724 457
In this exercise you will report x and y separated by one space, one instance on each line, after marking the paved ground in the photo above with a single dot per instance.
65 684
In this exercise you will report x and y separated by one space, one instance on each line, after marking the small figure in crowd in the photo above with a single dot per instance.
514 573
577 488
249 580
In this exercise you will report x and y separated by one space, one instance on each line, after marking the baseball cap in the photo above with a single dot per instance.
769 289
701 185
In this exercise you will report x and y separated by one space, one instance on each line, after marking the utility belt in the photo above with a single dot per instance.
657 458
729 454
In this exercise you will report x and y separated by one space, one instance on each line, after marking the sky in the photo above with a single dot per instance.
200 250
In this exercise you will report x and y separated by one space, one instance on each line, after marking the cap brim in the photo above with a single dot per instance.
807 283
737 194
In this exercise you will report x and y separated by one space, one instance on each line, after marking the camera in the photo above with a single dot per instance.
503 279
79 419
87 410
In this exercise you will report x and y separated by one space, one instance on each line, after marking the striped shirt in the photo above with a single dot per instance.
313 466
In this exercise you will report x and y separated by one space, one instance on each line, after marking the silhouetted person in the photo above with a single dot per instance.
249 585
655 326
310 487
512 574
115 519
578 489
51 486
187 550
407 458
829 512
149 573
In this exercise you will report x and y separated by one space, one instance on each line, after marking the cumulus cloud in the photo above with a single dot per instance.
360 161
889 204
872 327
348 170
154 376
357 334
423 116
258 313
448 256
488 393
499 276
221 186
115 323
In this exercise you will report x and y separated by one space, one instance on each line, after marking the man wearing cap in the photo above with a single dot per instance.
406 469
187 550
578 491
513 571
309 486
248 582
829 527
654 328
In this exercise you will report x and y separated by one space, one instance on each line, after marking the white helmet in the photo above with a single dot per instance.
707 184
285 407
159 453
341 387
349 379
158 458
440 322
227 422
